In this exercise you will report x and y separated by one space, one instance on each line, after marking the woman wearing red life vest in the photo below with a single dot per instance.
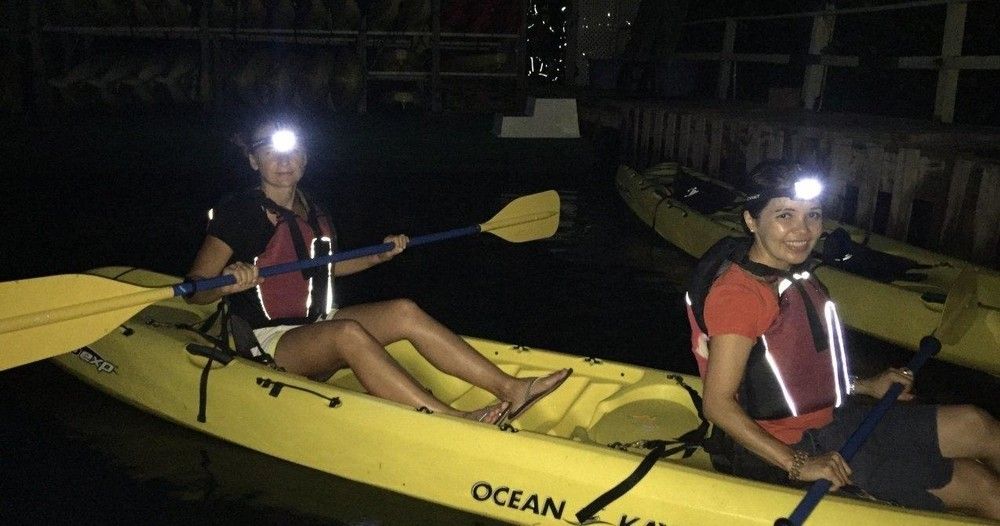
293 315
770 349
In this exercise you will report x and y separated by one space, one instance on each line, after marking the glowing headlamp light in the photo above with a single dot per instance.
281 141
808 188
805 189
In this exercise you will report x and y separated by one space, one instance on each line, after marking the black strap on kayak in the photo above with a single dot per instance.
274 389
688 443
214 355
203 392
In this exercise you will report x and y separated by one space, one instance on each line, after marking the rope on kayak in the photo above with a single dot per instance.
688 443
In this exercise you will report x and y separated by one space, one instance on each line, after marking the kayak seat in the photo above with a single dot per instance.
449 389
842 252
701 195
648 419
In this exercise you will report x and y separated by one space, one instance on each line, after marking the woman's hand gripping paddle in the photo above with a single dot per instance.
48 316
958 306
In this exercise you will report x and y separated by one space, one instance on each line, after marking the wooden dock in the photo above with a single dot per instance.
933 185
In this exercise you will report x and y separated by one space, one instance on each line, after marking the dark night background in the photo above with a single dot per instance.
99 184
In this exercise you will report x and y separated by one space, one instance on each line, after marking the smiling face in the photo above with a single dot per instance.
785 231
277 169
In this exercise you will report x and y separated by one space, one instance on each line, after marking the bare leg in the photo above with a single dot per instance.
970 490
967 431
401 319
971 436
319 349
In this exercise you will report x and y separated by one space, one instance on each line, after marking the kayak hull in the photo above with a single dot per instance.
895 312
555 460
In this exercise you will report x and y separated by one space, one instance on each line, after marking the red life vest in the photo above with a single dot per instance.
799 364
297 297
790 372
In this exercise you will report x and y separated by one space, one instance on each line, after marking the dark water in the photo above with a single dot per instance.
134 190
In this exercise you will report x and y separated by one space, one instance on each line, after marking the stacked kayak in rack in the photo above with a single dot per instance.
546 467
883 287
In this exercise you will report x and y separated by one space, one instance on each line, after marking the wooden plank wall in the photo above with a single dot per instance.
937 198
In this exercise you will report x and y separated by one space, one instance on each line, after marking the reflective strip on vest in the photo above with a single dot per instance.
777 375
322 245
260 295
835 334
837 350
328 300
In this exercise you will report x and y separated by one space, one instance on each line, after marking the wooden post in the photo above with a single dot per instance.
670 149
42 102
14 52
363 60
775 142
985 234
634 134
715 139
698 142
815 75
656 149
726 65
572 42
645 137
754 154
521 56
909 176
869 186
684 140
436 105
951 47
732 153
205 71
957 187
840 174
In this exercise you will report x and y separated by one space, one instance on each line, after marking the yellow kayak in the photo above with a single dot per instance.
544 468
900 311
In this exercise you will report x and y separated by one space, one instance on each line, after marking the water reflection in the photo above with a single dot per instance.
96 194
104 462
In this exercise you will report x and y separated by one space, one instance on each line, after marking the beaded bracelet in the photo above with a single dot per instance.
798 460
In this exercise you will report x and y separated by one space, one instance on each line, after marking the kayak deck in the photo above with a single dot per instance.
570 448
610 404
873 307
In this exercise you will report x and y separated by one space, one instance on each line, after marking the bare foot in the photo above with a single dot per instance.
537 388
490 414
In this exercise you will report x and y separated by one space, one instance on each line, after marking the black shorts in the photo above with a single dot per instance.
899 462
901 459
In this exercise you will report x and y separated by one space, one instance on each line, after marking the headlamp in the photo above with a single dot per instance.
808 188
805 189
281 141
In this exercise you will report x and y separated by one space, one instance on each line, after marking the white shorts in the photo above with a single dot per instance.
269 336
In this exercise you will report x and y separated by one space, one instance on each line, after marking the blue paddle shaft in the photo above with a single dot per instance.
929 346
190 287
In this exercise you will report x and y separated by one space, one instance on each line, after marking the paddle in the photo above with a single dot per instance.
48 316
955 320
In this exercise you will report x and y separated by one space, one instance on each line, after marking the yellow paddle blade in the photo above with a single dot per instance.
45 317
959 308
526 218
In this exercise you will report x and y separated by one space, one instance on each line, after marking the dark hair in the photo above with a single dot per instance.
771 179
